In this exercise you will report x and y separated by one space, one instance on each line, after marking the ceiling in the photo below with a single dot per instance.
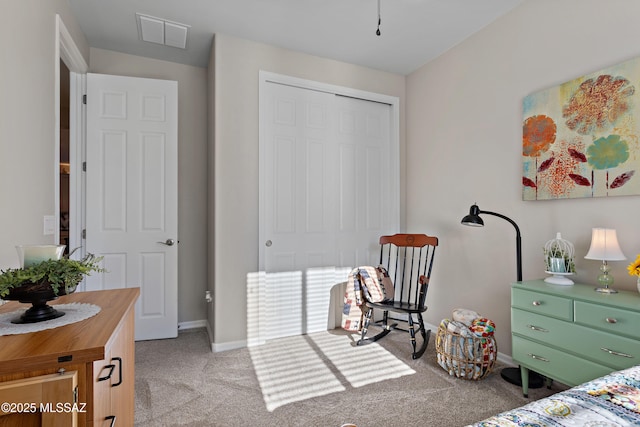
413 32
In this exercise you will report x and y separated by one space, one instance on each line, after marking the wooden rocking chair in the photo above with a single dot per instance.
408 258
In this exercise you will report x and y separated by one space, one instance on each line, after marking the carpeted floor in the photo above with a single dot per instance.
311 380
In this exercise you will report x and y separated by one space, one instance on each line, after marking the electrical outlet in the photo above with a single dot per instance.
49 225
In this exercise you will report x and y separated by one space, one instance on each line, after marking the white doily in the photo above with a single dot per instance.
74 312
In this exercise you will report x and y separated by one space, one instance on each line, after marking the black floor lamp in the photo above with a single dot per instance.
511 375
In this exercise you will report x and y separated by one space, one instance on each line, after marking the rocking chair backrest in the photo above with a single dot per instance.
409 258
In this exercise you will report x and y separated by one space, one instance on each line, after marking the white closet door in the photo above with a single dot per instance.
324 169
368 194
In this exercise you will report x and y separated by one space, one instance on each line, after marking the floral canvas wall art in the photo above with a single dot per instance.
581 138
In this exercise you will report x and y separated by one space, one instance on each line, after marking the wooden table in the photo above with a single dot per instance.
100 348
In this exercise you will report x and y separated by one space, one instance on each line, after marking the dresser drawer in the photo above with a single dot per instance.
611 319
611 350
550 305
614 351
541 328
566 368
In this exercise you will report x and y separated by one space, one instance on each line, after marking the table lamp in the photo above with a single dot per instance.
605 247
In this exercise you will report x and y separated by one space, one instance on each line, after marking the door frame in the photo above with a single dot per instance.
67 51
266 77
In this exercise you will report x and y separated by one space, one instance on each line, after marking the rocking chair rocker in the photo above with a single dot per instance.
408 258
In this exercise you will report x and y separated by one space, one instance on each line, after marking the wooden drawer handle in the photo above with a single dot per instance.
536 357
537 328
536 303
616 353
611 320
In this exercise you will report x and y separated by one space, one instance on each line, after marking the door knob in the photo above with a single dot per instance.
268 243
168 242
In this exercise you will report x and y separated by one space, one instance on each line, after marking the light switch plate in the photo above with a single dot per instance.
49 225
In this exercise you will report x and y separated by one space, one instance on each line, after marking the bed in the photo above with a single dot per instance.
612 400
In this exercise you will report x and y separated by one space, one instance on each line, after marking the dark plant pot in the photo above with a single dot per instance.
37 294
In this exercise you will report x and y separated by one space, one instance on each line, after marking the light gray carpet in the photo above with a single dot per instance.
312 380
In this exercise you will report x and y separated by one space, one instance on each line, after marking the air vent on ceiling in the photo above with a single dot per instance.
161 31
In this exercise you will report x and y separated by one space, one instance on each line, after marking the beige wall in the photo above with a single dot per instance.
235 156
464 136
27 121
192 166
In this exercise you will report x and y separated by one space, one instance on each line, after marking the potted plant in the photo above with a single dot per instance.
558 256
558 260
43 281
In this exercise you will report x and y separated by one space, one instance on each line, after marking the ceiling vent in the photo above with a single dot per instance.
161 31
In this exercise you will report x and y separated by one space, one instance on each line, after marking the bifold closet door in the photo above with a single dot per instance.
325 170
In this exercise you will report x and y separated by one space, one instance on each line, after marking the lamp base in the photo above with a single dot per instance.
512 376
606 290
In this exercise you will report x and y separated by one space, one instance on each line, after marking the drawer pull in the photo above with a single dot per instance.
119 359
537 328
611 320
616 353
110 367
533 356
536 303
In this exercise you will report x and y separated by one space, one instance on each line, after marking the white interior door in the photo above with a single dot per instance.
329 189
131 175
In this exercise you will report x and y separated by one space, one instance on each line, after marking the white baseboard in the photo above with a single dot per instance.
232 345
217 347
194 324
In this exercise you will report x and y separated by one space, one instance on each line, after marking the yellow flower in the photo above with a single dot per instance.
634 267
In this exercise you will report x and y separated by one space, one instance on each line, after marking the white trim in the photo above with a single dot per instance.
193 324
77 118
66 50
506 359
56 131
226 346
266 76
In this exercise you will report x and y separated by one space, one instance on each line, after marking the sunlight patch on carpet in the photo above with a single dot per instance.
360 365
292 369
289 370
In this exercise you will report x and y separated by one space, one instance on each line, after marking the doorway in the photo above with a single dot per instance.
65 165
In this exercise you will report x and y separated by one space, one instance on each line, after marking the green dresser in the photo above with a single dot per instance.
573 334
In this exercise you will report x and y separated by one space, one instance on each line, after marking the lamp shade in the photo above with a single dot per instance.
473 219
604 245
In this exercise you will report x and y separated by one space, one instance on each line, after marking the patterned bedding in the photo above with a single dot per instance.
612 400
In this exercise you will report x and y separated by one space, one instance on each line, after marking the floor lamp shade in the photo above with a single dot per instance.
474 220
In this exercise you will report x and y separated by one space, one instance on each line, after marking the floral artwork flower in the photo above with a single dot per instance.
609 152
634 267
538 133
598 103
